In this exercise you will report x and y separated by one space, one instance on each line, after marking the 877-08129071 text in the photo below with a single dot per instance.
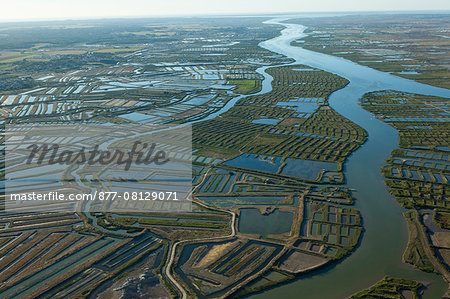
138 195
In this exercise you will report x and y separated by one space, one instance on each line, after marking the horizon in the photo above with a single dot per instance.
252 15
50 10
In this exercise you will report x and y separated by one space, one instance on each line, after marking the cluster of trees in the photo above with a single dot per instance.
16 83
66 62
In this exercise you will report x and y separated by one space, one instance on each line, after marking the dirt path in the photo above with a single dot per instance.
176 244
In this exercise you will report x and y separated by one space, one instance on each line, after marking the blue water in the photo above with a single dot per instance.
308 105
251 221
306 169
266 121
257 162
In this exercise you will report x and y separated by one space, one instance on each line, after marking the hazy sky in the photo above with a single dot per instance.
62 9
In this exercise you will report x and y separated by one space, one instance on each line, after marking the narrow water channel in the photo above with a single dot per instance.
386 233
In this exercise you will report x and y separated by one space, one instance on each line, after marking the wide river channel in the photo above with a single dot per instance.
386 233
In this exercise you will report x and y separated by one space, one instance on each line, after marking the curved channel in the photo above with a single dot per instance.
386 234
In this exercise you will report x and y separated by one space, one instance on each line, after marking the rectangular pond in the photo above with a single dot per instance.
257 162
266 121
251 221
230 201
306 169
308 105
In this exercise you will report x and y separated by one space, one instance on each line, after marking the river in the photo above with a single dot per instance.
386 233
